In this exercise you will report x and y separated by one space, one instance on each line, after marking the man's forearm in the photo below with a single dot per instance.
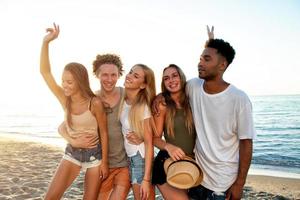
62 130
245 155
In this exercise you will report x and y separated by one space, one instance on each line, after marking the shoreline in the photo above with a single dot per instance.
269 171
60 143
26 169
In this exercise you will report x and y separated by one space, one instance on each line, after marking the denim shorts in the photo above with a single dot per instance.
85 158
201 192
136 168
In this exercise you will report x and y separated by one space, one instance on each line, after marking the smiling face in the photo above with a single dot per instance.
108 75
172 80
135 79
69 84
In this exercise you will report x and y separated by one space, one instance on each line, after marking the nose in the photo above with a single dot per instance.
199 65
128 76
109 78
63 84
200 62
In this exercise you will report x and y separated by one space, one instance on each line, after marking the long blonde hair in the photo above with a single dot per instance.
143 99
81 78
171 105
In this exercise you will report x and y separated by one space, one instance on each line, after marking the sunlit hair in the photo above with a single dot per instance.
143 99
223 48
171 105
81 78
107 59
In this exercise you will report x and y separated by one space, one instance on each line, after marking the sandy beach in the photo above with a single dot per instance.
26 169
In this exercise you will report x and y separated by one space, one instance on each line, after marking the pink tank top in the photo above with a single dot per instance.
85 123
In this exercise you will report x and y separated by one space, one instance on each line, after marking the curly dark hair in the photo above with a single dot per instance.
223 48
108 59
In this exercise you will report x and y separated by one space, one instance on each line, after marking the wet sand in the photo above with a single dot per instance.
26 169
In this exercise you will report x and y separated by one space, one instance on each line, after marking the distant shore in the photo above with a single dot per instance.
26 168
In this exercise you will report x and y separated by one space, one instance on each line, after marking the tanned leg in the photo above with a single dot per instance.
63 178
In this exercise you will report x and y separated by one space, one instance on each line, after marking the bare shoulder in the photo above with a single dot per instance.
97 102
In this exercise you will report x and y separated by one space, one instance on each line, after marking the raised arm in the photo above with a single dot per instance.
45 68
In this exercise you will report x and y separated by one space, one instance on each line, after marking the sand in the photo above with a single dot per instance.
26 168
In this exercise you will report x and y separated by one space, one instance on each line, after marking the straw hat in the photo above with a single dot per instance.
183 174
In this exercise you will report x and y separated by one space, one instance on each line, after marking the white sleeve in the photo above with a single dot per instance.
245 122
190 85
147 113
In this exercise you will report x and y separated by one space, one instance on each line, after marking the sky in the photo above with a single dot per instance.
264 33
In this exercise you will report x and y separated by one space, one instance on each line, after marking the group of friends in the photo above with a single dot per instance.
111 133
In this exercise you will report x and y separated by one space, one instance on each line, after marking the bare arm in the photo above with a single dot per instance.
45 68
245 154
174 152
133 138
100 115
159 123
146 184
62 130
85 140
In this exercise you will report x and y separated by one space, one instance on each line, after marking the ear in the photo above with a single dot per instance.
223 64
143 86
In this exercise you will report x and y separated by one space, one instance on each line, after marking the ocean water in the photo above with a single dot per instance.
277 121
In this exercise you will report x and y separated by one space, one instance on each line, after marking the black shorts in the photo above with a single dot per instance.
158 172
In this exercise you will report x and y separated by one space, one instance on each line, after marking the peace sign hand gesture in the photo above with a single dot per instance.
210 32
52 33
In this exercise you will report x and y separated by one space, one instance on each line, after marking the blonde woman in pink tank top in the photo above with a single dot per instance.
84 114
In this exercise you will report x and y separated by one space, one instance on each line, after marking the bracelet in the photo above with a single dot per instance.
146 180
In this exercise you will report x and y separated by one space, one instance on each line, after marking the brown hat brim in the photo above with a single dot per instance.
169 162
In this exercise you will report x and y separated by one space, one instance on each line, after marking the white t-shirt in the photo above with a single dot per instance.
221 120
131 149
